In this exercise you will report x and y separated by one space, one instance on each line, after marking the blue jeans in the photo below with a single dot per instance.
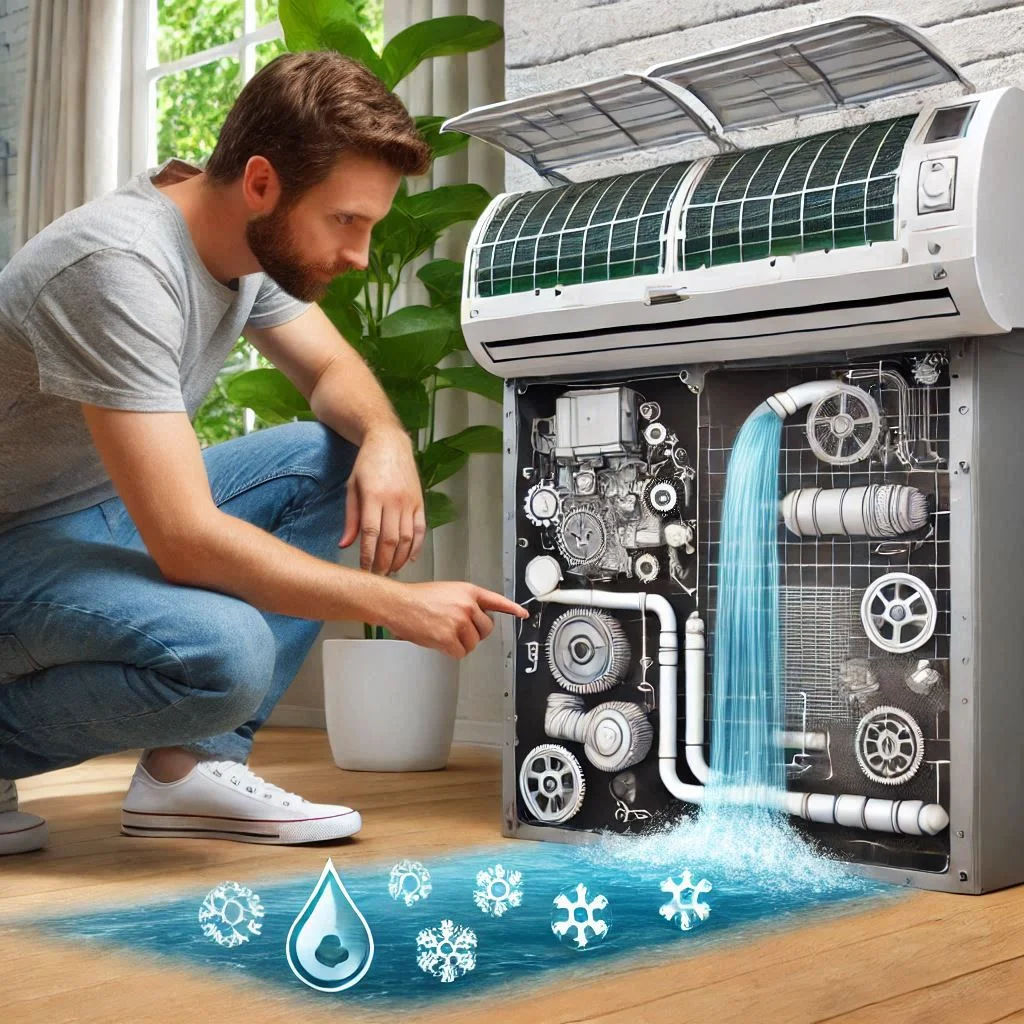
100 653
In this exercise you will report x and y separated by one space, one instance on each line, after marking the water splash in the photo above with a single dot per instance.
329 945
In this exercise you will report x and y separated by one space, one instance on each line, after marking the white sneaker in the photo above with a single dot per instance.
225 800
19 832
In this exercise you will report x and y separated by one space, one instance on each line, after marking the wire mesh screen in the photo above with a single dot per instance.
827 652
834 190
590 231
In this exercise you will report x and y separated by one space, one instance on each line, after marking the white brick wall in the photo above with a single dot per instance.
586 39
14 18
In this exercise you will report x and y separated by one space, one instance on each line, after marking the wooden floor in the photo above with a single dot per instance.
929 958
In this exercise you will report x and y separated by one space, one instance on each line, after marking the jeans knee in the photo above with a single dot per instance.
329 455
237 662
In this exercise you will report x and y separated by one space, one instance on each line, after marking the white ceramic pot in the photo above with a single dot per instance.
389 704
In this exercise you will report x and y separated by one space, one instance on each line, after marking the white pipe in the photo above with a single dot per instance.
910 817
817 741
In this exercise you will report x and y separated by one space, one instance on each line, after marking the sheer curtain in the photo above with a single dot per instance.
74 127
470 548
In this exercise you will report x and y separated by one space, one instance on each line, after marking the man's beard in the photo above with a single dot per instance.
271 241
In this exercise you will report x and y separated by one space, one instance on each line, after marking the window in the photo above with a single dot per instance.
198 56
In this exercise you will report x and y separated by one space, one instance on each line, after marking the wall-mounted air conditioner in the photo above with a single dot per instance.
897 224
829 292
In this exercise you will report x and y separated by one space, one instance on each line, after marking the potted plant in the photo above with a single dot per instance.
406 349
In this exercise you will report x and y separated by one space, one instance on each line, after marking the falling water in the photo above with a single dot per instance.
747 686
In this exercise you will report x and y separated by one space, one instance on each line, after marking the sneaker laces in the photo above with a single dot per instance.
253 783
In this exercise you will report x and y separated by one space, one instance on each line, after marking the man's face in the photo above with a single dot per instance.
326 231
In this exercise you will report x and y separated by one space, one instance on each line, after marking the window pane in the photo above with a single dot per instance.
266 10
266 52
189 26
191 107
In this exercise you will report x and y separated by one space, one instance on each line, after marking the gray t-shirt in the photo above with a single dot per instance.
112 306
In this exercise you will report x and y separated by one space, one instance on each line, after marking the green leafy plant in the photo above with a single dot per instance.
405 347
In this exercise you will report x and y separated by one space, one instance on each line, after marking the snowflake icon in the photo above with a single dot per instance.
410 881
230 914
498 890
446 952
687 910
588 919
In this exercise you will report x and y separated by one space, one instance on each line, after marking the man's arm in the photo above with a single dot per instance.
385 500
340 388
156 465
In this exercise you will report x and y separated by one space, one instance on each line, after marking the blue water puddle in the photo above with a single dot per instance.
763 877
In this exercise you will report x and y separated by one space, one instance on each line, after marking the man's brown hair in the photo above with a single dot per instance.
302 111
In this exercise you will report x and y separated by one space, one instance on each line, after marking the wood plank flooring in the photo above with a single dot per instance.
929 958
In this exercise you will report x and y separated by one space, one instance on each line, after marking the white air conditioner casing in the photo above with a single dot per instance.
946 273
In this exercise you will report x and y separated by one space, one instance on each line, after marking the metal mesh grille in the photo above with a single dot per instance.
833 190
591 231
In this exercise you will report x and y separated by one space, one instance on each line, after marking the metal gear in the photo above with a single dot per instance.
646 567
889 745
582 535
661 496
587 650
543 504
655 433
551 783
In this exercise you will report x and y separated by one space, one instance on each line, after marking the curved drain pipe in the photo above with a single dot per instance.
908 817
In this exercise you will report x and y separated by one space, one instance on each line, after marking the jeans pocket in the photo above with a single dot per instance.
15 661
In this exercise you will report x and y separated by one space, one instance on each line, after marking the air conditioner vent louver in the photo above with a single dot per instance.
828 191
592 231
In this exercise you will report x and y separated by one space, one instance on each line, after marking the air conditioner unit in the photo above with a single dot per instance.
840 282
897 224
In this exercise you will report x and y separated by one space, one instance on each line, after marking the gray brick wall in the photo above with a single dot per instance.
549 45
14 19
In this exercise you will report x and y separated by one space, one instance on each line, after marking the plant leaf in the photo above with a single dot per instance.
437 37
438 461
443 280
414 339
472 378
439 509
328 25
270 394
481 438
442 145
440 208
410 399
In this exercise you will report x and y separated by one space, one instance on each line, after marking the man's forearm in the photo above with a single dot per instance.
348 398
232 556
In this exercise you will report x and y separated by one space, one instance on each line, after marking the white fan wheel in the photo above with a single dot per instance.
551 783
843 426
898 612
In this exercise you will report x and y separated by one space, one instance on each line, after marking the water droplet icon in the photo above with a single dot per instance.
329 945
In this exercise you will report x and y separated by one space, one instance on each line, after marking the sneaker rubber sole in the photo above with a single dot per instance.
241 830
22 833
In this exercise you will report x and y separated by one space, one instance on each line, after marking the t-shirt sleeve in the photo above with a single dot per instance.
108 330
274 306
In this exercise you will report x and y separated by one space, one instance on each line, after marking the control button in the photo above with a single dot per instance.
936 185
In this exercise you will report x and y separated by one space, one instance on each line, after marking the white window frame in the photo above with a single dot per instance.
148 69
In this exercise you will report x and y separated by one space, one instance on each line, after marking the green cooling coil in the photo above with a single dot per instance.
591 231
828 191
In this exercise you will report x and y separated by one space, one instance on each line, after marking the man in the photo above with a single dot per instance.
156 596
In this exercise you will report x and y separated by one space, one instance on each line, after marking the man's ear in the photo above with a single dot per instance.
261 187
